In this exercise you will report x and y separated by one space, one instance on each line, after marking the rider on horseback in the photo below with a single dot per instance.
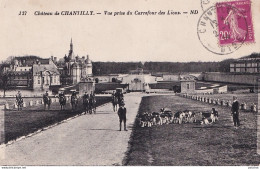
74 100
19 100
61 94
46 100
62 99
120 98
85 102
74 94
92 102
19 96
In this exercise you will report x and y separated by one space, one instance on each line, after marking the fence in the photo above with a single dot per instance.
226 103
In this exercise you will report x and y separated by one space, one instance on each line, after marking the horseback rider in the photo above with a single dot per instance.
85 96
62 99
74 99
61 94
45 94
19 100
85 101
92 102
120 98
74 94
92 95
19 96
46 100
113 93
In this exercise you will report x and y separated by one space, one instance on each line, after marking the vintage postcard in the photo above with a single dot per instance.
129 83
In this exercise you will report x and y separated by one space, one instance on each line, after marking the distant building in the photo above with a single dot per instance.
75 68
45 75
249 64
32 72
188 84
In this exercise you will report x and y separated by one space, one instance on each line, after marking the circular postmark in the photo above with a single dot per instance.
209 34
205 4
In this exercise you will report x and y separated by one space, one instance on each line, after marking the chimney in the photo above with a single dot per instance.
55 59
52 58
83 57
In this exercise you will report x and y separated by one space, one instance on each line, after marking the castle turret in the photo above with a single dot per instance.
71 53
88 66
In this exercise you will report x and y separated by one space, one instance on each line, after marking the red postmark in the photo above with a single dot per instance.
235 22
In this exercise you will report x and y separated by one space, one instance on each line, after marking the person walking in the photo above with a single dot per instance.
235 112
122 116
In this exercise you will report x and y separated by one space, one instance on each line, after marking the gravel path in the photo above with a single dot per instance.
86 140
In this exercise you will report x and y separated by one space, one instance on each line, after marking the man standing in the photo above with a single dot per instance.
122 116
235 113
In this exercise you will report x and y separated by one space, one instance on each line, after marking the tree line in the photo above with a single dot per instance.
103 68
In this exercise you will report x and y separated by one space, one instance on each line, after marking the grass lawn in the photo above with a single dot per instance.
31 119
193 144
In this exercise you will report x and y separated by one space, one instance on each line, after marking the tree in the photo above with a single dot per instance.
5 81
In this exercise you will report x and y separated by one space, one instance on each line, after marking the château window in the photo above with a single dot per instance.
39 82
188 86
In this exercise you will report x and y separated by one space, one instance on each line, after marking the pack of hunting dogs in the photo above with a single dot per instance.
88 101
166 116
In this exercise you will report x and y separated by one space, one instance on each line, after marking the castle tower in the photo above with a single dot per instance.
88 66
71 53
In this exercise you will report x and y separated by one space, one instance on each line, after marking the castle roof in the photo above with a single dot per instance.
30 60
37 69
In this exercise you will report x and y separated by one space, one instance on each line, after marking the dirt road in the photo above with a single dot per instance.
85 140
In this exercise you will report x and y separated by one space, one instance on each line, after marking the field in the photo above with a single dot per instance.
31 119
193 144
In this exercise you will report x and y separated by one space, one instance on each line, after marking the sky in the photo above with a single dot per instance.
122 38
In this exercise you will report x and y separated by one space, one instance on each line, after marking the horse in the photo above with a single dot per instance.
115 103
19 102
74 102
47 101
120 100
86 105
62 101
92 105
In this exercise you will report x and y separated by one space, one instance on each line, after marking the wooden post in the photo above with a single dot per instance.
24 104
2 125
31 103
7 106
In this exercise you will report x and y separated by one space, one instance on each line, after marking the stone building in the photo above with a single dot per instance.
248 64
187 84
32 72
75 68
45 75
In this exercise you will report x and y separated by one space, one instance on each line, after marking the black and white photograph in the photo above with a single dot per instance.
129 83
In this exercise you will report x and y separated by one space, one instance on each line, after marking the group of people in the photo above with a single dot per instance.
122 110
62 99
89 102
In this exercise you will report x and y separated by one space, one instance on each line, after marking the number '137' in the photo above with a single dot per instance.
22 12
